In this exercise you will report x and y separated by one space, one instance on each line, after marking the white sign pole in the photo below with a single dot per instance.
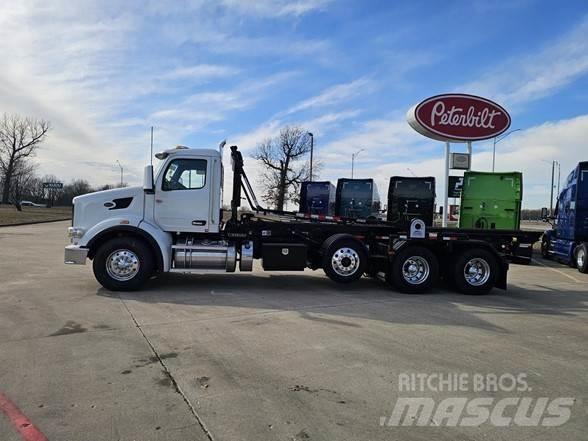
446 203
470 154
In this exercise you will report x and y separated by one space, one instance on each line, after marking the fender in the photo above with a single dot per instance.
122 221
159 241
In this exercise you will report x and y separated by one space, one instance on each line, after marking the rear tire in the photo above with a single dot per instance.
414 270
344 260
123 264
581 257
475 271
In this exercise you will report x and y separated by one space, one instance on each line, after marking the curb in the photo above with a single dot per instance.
33 223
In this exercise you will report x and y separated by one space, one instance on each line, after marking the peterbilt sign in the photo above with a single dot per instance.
458 117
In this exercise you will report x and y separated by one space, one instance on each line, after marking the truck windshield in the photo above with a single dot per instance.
413 189
317 190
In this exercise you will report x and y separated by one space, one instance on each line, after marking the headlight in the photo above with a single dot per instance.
75 232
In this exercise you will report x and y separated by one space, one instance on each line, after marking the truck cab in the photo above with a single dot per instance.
567 241
183 197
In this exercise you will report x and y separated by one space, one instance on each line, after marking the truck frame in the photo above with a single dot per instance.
129 235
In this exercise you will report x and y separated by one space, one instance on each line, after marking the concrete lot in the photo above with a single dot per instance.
270 356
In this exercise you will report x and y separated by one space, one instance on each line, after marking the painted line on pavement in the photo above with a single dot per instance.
19 420
558 271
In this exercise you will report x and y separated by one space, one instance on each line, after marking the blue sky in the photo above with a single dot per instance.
103 72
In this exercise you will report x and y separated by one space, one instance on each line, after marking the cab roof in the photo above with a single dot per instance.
187 151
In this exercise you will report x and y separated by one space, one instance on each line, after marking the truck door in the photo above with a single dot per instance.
182 195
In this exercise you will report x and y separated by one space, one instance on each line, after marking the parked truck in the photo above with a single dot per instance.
357 198
411 198
174 223
492 201
317 197
567 241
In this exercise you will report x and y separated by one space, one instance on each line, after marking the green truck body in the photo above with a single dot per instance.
491 200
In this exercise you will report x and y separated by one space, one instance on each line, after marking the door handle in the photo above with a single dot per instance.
198 222
159 201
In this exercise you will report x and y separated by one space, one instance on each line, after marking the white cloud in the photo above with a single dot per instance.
334 95
276 8
537 75
200 72
75 65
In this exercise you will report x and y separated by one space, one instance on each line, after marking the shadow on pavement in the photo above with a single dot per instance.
367 298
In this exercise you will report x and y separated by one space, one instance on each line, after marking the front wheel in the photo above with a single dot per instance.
581 258
475 271
123 264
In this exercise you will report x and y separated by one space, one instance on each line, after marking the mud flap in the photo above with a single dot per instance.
501 280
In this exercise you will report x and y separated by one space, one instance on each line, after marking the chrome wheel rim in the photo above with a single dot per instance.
345 262
122 265
476 271
416 270
580 257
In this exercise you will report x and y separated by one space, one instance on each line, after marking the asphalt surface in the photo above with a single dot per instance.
271 356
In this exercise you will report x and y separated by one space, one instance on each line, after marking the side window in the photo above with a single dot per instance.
184 174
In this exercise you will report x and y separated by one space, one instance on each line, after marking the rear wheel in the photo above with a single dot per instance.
414 270
581 258
123 264
344 260
475 271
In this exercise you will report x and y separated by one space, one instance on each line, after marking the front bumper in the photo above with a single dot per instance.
75 255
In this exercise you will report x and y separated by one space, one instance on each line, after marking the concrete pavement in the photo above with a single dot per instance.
270 356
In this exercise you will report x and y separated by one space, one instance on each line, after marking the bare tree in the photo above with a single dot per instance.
23 178
19 139
285 165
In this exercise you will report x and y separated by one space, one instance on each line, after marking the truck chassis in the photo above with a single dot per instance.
412 259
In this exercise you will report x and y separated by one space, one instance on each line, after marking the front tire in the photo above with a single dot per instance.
344 260
123 264
581 257
475 271
414 270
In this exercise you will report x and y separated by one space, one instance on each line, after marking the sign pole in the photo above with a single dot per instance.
446 202
470 154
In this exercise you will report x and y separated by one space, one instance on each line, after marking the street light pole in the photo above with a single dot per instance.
353 156
551 196
311 152
121 172
497 139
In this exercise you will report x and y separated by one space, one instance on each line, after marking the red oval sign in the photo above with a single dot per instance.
459 117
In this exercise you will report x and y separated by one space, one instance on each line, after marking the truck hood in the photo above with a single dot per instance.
92 208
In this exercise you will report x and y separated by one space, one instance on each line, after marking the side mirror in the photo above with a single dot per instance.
544 216
148 186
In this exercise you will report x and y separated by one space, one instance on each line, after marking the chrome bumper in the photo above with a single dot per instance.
75 255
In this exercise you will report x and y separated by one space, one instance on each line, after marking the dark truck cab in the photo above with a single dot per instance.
357 199
317 198
567 241
411 198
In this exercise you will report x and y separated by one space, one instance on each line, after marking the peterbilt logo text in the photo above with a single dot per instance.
457 117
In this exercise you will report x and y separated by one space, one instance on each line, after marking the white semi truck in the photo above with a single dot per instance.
174 223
